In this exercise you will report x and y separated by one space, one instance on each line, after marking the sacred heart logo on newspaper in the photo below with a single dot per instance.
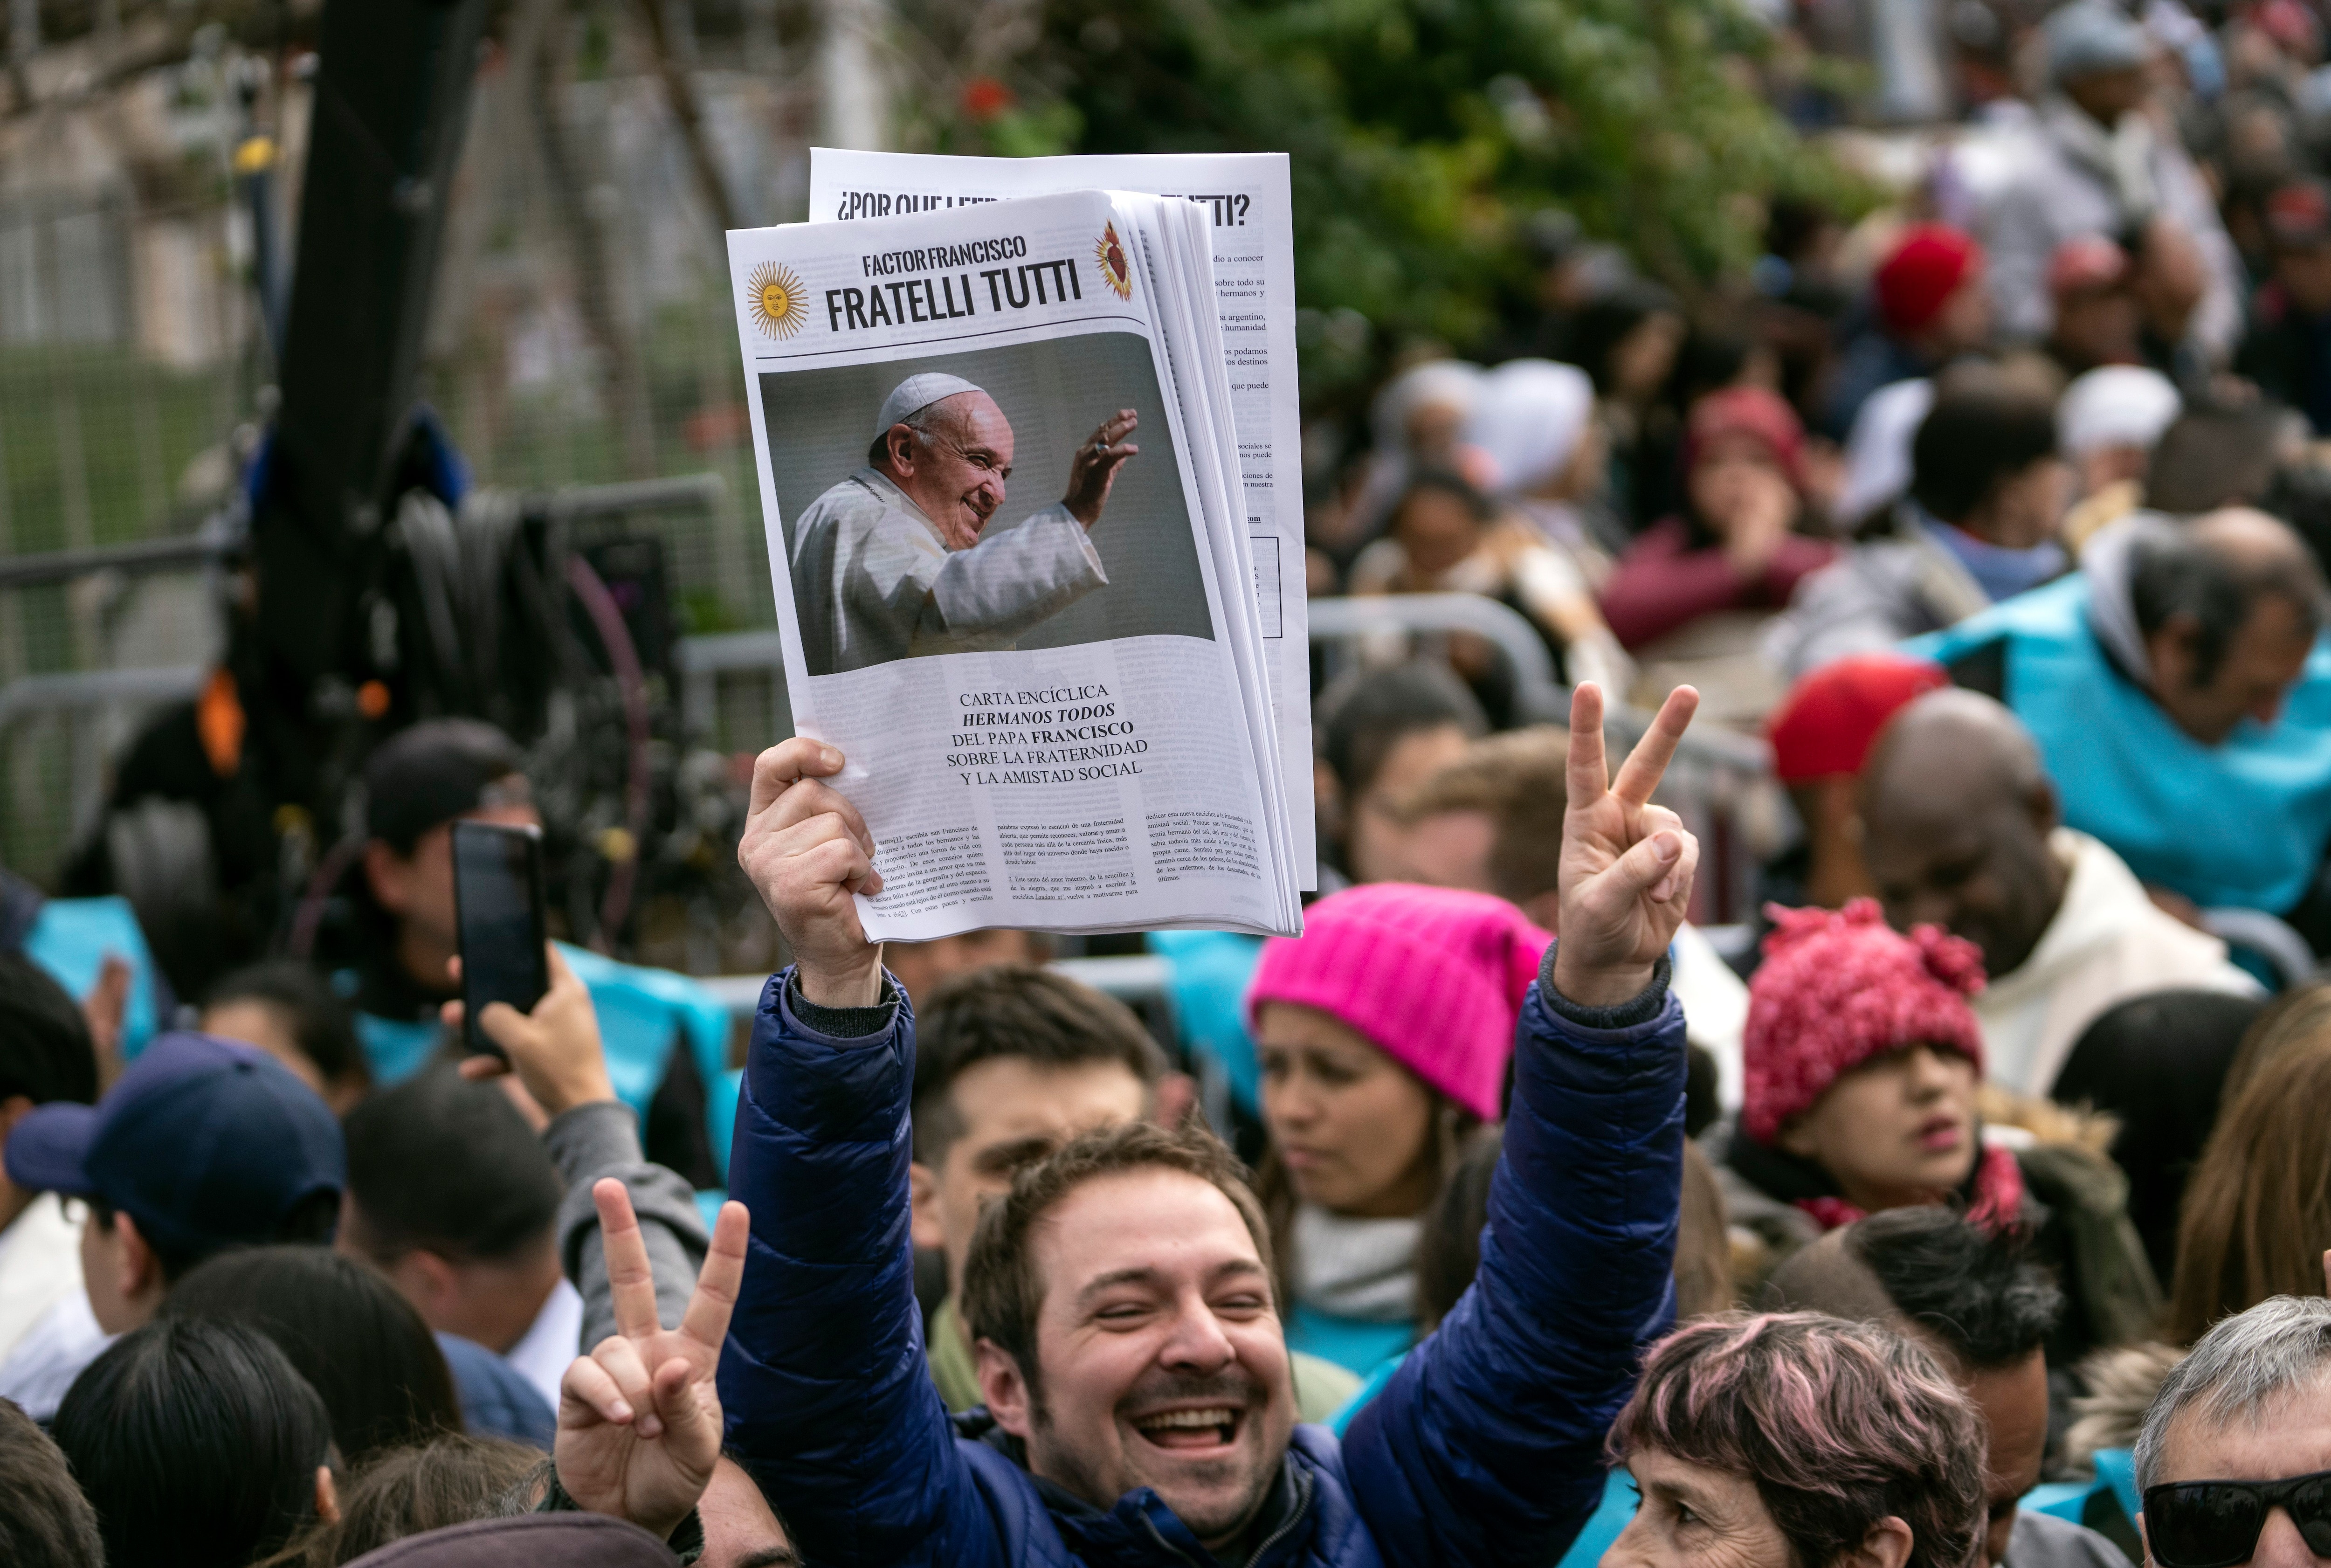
778 305
1115 271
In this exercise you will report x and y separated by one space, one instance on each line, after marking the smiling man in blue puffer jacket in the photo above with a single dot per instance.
1139 1408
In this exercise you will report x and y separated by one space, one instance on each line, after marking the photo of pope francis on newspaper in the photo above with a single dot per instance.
931 544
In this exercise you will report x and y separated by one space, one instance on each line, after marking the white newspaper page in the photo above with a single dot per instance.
1254 282
999 596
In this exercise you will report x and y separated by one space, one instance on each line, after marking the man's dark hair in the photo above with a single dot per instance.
319 1021
446 1166
46 1053
1985 428
1009 1010
1976 1291
309 1222
1001 1290
47 1522
434 772
1366 714
347 1331
198 1444
2172 572
2216 455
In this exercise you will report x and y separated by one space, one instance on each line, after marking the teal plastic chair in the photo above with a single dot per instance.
71 937
643 1013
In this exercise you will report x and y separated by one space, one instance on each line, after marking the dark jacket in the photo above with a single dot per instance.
2289 354
1486 1447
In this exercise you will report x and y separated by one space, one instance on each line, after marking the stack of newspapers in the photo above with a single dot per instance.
1020 441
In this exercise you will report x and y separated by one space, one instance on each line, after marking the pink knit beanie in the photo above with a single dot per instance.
1432 976
1838 989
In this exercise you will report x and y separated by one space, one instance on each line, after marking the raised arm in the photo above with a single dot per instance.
821 1379
1487 1446
556 1054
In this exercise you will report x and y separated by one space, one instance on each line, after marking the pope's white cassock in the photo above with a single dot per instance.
873 581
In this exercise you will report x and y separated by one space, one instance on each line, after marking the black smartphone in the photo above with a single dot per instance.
497 912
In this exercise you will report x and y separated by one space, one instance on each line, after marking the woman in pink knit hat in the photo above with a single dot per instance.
1862 1060
1383 1034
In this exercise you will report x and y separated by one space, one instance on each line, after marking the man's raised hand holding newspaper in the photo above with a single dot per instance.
1150 1286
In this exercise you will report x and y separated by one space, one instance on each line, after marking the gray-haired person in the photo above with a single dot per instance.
898 560
2234 1458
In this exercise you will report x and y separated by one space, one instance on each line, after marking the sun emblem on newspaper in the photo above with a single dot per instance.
777 302
1115 270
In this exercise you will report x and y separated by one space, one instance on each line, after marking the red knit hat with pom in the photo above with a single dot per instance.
1837 989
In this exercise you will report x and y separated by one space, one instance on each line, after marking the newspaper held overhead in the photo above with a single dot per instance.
1000 473
1246 193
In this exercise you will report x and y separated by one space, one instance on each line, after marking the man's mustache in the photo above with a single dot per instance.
1233 1386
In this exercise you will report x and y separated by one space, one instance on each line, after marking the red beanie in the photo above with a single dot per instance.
1831 718
1925 269
1753 412
1838 989
1434 978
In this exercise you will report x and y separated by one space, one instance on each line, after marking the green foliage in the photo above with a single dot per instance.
1424 133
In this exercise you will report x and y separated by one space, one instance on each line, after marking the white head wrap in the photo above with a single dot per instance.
916 394
1529 419
1878 450
2114 405
1450 382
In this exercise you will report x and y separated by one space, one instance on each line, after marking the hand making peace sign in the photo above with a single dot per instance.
639 1419
1627 865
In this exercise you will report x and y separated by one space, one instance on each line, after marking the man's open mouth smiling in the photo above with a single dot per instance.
1195 1427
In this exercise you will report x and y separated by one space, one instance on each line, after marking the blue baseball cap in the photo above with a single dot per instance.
204 1143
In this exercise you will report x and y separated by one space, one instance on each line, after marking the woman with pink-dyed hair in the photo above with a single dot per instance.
1798 1440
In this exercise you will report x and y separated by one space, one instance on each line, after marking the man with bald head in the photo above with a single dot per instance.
899 560
1985 1307
1960 830
2178 688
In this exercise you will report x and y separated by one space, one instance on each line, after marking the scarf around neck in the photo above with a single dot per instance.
1994 1190
1363 1269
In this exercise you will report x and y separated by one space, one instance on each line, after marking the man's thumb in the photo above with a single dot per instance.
505 1025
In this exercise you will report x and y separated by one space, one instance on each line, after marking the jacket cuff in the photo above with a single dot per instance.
842 1022
1641 1008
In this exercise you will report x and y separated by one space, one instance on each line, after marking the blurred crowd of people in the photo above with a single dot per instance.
1964 1197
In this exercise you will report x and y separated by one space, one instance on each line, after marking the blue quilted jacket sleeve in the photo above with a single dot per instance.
1487 1445
822 1381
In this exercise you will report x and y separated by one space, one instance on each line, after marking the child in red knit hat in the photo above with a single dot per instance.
1860 1059
1861 1063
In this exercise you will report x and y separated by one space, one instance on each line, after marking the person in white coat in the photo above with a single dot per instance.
1959 830
903 559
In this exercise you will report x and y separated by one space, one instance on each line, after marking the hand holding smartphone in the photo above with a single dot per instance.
497 907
